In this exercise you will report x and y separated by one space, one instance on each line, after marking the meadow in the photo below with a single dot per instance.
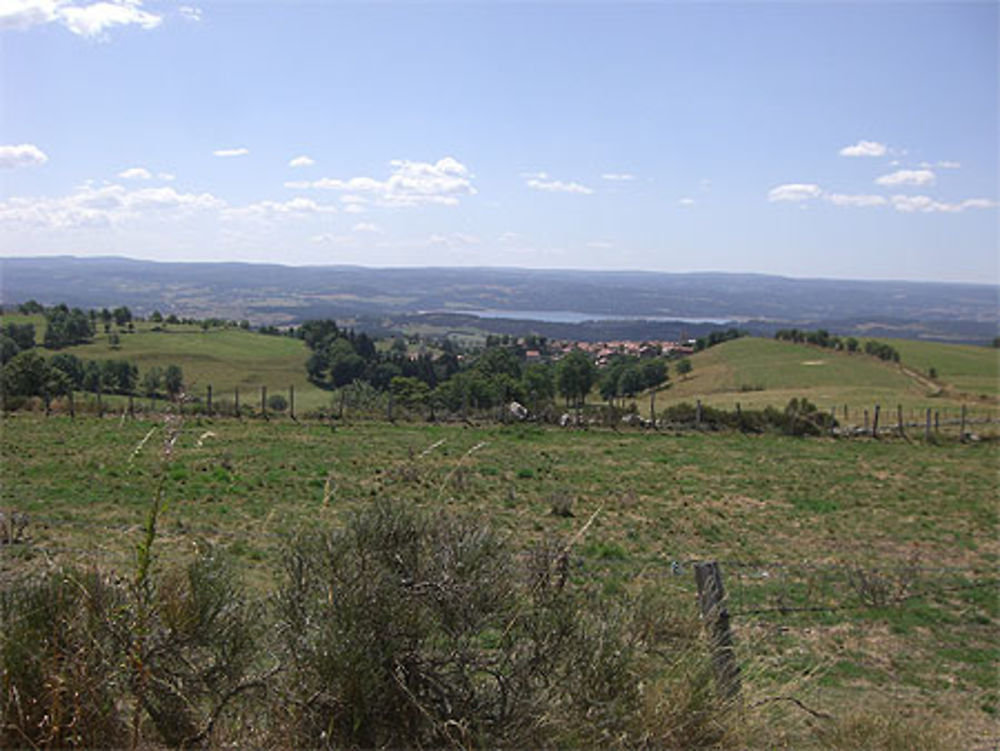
773 509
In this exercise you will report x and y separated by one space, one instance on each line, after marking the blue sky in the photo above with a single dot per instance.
851 140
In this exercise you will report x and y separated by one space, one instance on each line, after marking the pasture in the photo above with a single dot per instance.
757 503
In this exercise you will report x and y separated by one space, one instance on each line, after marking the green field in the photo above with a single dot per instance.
759 372
761 503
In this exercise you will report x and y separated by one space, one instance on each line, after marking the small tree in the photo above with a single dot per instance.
684 367
173 380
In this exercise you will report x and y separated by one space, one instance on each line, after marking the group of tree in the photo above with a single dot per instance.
718 337
627 376
823 338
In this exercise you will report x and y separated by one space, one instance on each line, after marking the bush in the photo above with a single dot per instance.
277 403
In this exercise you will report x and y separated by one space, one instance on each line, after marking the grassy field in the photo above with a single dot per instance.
759 372
762 504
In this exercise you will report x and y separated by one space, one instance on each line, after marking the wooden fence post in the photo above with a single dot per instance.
927 427
937 421
739 415
208 400
875 421
697 414
833 420
291 401
961 432
899 419
712 602
866 420
263 401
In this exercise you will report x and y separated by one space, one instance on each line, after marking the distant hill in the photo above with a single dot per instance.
269 293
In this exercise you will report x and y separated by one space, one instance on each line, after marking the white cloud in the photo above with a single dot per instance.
366 227
271 209
231 152
90 206
618 176
907 177
856 201
409 184
302 161
541 182
135 173
794 192
84 20
167 176
686 202
926 204
949 165
190 13
22 155
865 148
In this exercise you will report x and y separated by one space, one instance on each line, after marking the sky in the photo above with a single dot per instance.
808 139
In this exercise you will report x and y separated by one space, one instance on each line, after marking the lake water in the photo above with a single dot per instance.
575 316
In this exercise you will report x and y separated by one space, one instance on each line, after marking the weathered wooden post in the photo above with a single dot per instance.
236 402
263 401
866 419
899 420
961 432
697 414
937 421
833 420
291 401
715 615
739 415
927 427
875 421
72 407
846 418
208 400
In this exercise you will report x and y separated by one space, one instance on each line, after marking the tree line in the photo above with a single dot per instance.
823 338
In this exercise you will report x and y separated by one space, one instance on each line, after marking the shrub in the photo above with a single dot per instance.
277 403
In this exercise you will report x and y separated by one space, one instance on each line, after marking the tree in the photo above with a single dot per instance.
23 334
654 372
538 383
152 381
121 315
684 367
631 382
575 375
8 348
173 380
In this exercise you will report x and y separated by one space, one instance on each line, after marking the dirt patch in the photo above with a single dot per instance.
814 362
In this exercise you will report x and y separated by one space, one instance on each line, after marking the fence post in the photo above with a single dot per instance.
291 401
72 407
937 421
208 400
100 406
263 401
875 421
961 432
899 419
833 420
927 427
866 420
131 406
712 602
697 415
739 415
846 418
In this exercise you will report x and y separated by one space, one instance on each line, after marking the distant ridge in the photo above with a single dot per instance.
273 293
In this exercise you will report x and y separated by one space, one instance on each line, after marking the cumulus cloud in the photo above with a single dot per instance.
90 206
408 184
22 155
541 181
87 20
855 200
795 192
190 13
135 173
926 204
167 176
618 176
865 148
907 177
231 152
302 161
272 209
